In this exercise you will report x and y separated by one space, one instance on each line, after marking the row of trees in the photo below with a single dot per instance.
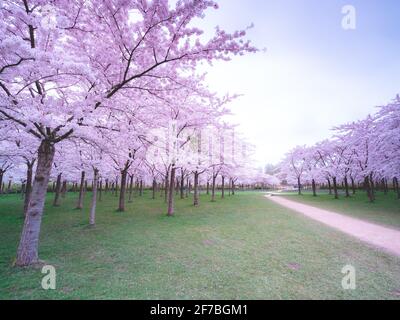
106 93
364 154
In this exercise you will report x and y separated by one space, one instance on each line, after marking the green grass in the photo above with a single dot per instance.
244 247
384 211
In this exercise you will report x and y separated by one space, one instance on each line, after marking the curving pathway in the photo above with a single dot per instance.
379 236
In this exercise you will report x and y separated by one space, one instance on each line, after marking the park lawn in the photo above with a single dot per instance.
384 211
243 247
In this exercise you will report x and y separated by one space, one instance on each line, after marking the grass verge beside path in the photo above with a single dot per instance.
384 211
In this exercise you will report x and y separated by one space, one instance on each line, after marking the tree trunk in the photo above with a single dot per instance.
385 186
22 191
1 181
116 187
213 189
28 186
100 190
208 187
166 187
223 188
27 253
106 186
396 185
141 188
171 209
233 187
368 189
81 193
64 189
299 185
196 189
335 189
372 186
353 186
92 218
130 189
329 186
124 174
182 185
9 186
154 189
56 202
346 185
314 188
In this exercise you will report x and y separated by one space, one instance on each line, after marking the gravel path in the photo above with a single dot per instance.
379 236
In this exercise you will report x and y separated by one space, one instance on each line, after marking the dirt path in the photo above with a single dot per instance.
382 237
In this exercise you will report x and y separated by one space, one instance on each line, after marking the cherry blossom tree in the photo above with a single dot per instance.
65 65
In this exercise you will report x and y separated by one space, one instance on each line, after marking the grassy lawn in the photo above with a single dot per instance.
244 247
385 210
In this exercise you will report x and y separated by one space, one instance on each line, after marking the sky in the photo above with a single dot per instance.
313 75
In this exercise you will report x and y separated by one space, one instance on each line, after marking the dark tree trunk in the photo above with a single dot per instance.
22 191
9 186
368 189
130 189
56 202
28 186
213 188
396 186
106 186
81 191
182 185
1 181
314 188
166 187
208 187
346 186
116 188
27 253
353 186
299 185
171 193
141 188
223 188
329 186
335 189
92 217
372 186
154 189
64 189
101 190
385 186
124 174
187 188
233 187
196 189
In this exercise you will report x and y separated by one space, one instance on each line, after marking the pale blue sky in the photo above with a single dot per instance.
314 74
